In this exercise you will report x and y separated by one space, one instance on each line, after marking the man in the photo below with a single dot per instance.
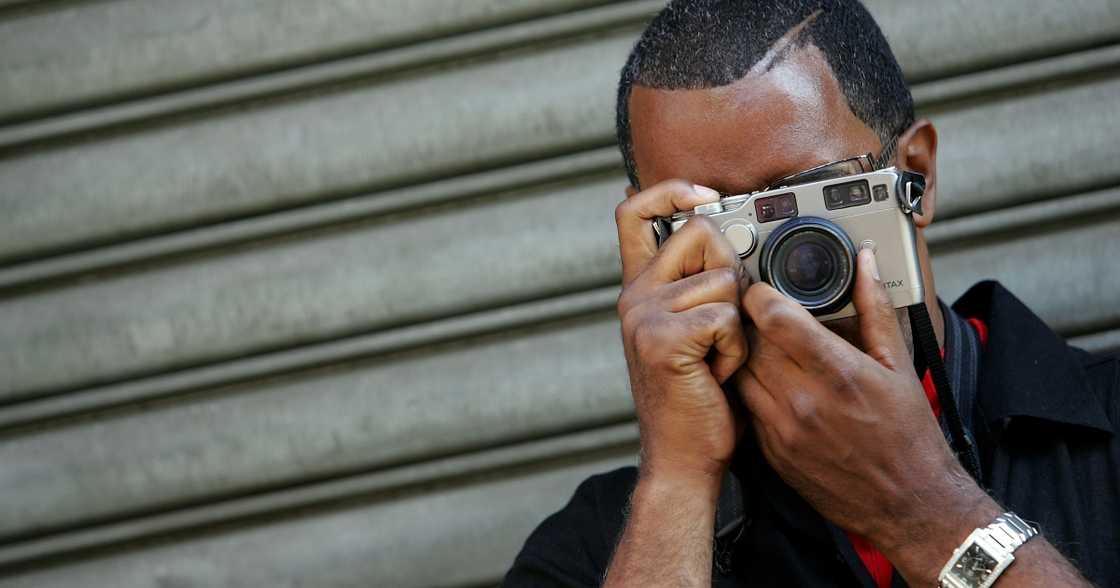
839 471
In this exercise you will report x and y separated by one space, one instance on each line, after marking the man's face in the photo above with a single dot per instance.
741 137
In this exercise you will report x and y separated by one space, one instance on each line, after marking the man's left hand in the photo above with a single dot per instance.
849 430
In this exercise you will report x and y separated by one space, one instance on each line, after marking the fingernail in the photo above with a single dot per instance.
707 193
869 258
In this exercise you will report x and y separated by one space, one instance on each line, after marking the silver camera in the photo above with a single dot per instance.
802 239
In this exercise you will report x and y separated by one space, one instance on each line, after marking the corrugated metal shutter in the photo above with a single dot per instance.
310 293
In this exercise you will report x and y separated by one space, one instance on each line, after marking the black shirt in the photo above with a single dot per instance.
1042 420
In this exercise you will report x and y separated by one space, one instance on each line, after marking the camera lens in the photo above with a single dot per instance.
812 261
809 266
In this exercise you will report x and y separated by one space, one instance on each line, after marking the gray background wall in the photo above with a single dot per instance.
320 293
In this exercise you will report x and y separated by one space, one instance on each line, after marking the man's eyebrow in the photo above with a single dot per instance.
778 51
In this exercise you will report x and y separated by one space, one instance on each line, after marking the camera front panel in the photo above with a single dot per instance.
863 207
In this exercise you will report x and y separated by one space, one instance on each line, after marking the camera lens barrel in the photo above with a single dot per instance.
811 260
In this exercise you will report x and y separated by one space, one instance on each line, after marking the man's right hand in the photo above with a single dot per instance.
682 333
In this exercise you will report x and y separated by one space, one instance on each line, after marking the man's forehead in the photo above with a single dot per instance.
739 137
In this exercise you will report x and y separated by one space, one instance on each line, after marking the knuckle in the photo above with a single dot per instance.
698 228
881 353
626 302
623 211
804 407
633 319
674 186
845 378
751 299
647 335
669 363
658 356
725 314
884 298
709 317
641 344
726 280
885 308
705 226
775 314
788 435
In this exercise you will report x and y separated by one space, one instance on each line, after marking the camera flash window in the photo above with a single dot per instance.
776 207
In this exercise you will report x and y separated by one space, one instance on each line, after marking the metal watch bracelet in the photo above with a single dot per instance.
986 553
1010 531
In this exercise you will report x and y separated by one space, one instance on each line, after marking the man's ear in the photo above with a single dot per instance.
917 151
630 190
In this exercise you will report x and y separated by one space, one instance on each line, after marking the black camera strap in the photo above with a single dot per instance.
927 351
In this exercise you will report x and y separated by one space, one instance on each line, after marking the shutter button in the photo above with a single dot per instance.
709 208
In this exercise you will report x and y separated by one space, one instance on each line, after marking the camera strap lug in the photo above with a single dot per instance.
911 187
661 230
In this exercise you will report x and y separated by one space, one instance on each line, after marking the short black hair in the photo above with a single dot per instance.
698 44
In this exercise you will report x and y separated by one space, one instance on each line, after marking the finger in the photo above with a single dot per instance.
768 441
757 398
633 216
768 415
696 247
716 285
738 409
769 363
878 325
718 331
796 332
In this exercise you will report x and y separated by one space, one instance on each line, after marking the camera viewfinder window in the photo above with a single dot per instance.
846 195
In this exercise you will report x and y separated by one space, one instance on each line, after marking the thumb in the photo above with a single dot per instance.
879 329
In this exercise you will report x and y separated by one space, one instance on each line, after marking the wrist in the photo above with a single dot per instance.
669 529
681 468
921 537
662 483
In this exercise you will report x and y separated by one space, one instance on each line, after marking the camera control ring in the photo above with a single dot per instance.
812 261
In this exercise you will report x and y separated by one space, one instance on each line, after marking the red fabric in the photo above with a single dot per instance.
876 563
931 390
981 329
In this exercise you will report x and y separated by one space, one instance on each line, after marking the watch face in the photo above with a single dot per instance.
974 565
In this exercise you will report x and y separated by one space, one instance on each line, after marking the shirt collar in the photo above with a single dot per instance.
1027 369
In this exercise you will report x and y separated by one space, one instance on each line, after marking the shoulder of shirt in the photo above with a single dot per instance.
606 497
1089 359
613 486
573 546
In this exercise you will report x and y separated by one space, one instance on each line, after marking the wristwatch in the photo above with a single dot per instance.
983 556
